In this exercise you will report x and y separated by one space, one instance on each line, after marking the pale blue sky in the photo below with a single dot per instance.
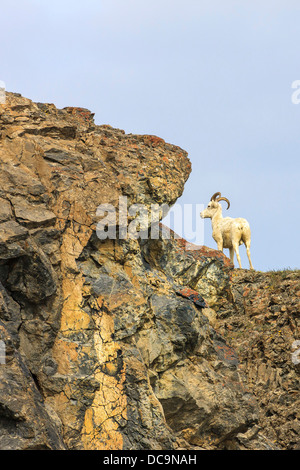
213 77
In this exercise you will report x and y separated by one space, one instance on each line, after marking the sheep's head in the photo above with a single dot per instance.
213 206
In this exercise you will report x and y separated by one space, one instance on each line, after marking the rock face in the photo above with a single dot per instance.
121 343
261 322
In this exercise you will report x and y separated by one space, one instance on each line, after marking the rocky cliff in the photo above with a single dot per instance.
127 343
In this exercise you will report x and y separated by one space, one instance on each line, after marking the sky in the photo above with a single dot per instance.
213 77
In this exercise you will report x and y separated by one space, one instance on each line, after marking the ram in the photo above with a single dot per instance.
227 232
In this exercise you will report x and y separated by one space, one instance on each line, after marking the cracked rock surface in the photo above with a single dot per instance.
114 343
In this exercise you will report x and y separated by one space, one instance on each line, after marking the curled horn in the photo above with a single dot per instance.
224 199
213 198
217 197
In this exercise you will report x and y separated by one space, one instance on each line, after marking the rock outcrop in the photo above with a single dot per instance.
120 343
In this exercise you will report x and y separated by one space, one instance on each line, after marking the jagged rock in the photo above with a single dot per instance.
24 420
11 231
32 216
260 319
5 210
32 276
181 368
114 343
202 269
11 240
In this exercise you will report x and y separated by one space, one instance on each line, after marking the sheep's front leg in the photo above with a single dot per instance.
220 244
218 239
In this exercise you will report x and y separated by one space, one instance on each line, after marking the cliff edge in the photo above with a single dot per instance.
126 343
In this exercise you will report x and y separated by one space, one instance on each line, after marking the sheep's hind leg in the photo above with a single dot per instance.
236 249
247 244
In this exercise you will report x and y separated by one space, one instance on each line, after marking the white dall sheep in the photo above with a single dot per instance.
227 232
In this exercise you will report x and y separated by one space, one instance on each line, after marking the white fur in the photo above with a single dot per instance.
228 232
